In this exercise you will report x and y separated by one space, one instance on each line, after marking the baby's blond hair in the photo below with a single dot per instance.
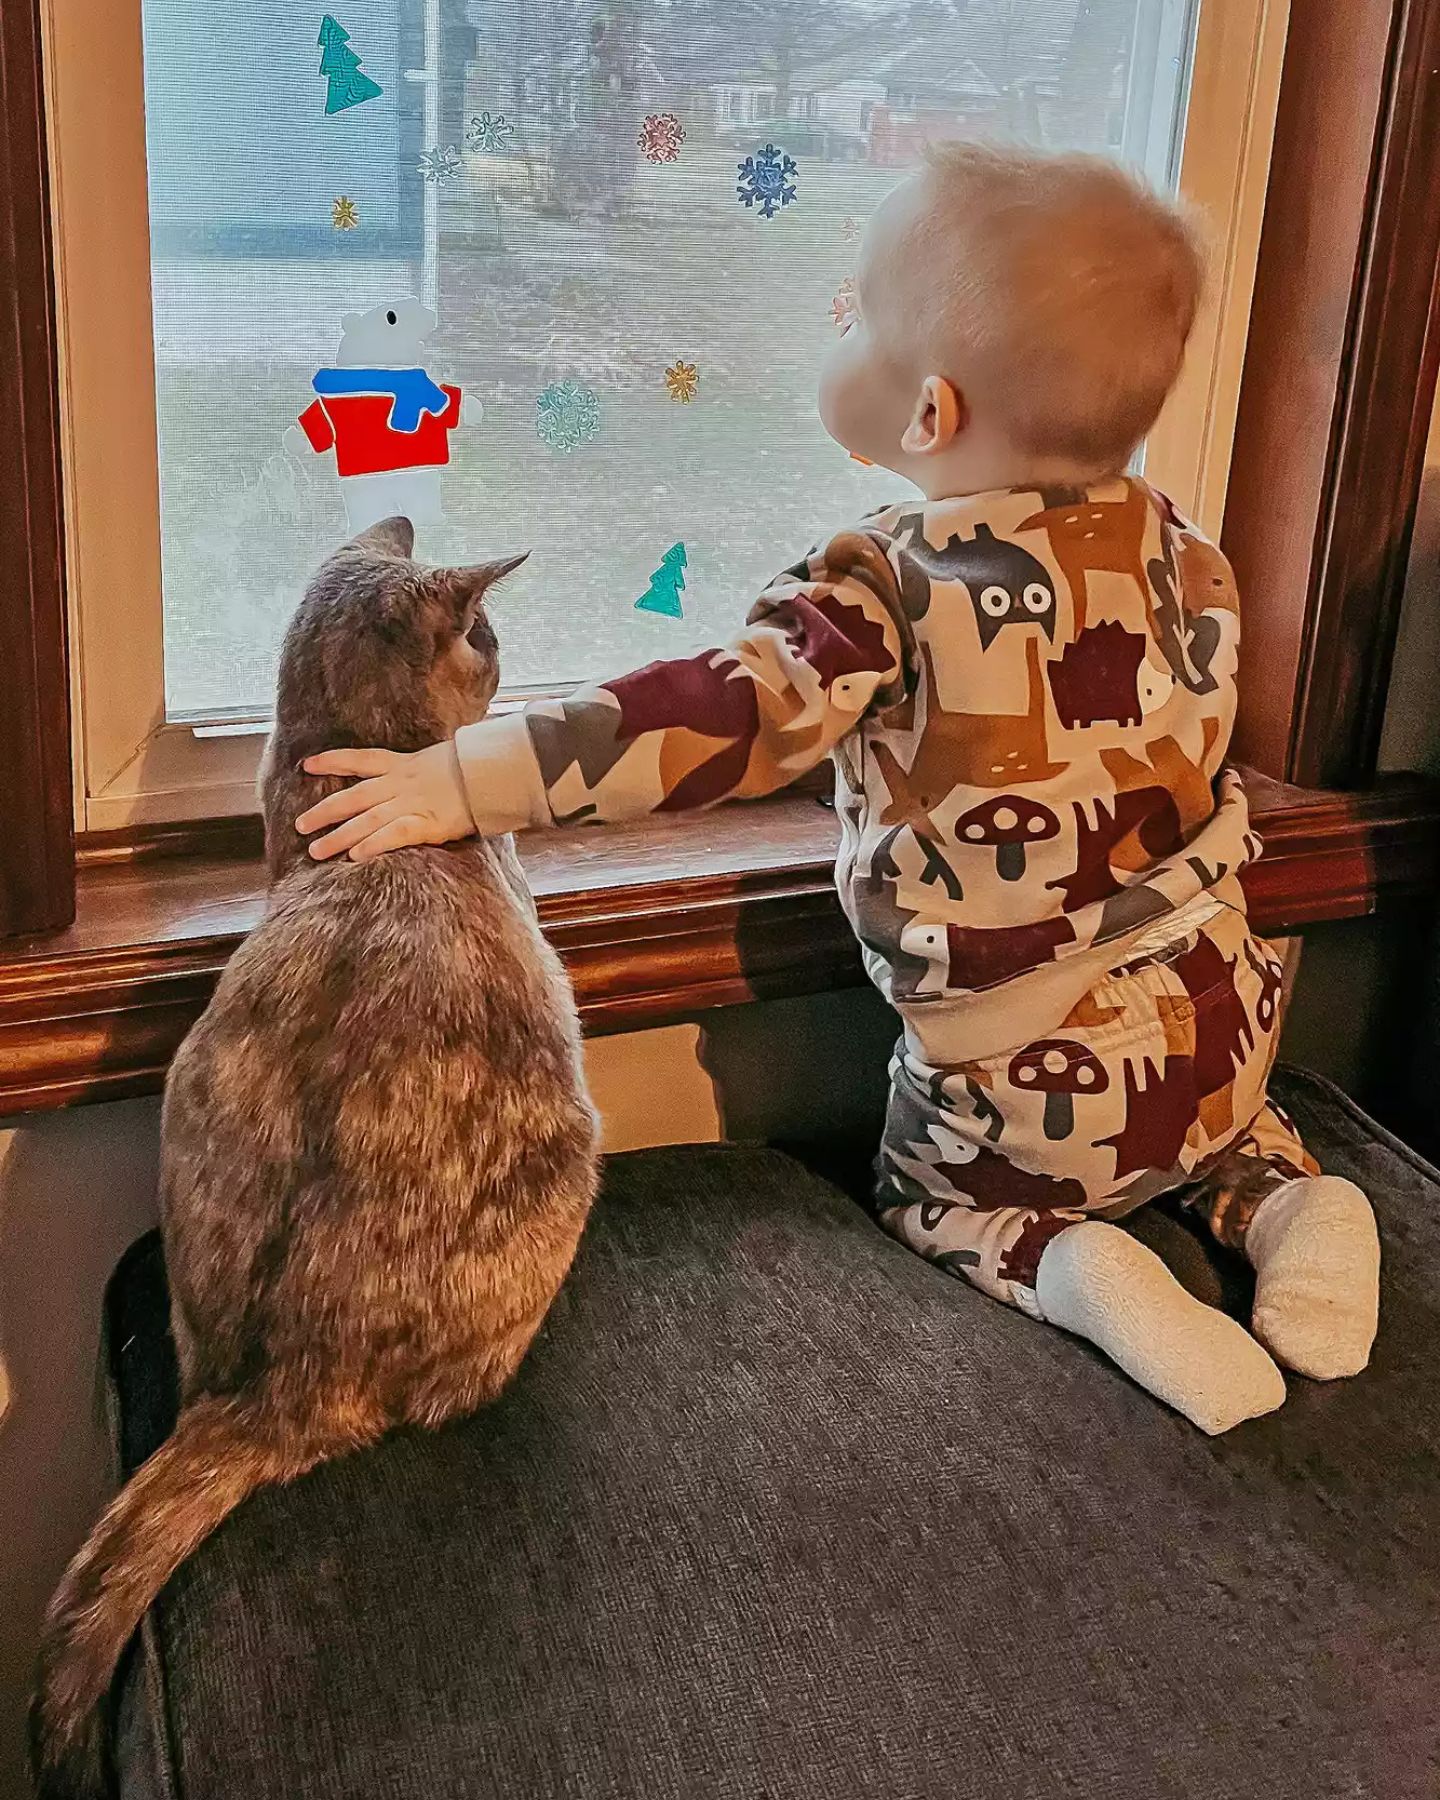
1068 290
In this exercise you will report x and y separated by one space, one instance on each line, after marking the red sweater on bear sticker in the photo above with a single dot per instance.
357 427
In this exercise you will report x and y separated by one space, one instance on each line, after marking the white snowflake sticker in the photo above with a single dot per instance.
439 165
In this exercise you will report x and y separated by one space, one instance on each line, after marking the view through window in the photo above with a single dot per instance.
632 223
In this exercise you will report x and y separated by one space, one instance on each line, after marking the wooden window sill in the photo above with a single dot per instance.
656 923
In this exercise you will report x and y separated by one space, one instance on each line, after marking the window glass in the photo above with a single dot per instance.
620 230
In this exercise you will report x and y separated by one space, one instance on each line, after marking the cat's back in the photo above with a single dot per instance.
415 983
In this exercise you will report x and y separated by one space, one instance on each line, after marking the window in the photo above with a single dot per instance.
635 349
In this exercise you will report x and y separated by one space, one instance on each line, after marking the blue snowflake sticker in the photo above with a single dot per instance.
489 134
569 415
766 181
440 164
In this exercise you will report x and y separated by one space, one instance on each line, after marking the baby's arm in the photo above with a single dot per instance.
822 644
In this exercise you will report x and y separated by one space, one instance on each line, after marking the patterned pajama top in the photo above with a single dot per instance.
1028 696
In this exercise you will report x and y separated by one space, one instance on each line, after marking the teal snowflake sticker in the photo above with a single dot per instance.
767 181
568 415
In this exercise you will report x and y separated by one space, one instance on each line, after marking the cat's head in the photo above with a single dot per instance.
383 651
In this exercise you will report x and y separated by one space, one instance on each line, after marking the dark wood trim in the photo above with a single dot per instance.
1339 384
1339 855
237 834
1383 426
655 924
37 872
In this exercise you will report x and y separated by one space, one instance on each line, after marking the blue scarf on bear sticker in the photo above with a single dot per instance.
412 392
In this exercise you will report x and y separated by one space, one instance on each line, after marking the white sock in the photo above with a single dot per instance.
1317 1276
1098 1282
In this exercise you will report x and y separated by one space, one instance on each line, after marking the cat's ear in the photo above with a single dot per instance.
465 588
391 537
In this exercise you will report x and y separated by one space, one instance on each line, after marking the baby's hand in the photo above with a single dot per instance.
416 799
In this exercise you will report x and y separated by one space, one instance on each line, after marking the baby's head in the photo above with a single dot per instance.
1020 317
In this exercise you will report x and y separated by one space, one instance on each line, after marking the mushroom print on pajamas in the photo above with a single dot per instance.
1059 1069
1008 825
958 1182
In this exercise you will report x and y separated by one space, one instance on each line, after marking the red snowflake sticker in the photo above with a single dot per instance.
660 138
845 308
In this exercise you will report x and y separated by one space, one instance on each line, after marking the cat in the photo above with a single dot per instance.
377 1149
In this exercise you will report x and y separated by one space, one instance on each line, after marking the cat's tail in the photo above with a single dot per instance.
221 1451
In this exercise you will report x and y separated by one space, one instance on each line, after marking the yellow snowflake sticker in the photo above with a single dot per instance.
682 379
343 214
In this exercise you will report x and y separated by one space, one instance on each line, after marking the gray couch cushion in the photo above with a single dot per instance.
775 1509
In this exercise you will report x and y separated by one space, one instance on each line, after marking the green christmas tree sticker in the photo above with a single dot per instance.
666 585
339 64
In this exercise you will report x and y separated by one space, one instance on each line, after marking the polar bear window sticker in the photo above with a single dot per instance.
386 418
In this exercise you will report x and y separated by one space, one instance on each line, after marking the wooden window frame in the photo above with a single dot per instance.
665 920
37 861
1339 385
1234 86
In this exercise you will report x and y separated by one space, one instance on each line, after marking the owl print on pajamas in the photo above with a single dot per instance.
1006 584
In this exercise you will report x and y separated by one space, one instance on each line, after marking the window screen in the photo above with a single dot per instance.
556 275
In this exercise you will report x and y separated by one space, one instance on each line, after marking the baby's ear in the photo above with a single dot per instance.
938 418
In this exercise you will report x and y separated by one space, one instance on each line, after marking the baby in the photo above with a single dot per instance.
1027 683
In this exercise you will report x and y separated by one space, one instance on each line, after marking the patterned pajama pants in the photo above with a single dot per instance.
1155 1082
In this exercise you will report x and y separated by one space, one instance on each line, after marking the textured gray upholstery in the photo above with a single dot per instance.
776 1511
